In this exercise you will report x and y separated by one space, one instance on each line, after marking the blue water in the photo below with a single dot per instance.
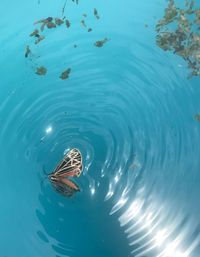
128 106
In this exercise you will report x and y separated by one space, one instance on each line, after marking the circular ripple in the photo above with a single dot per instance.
130 114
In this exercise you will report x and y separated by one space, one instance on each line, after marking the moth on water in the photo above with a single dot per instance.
70 166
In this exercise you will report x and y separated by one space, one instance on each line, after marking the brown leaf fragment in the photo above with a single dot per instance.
170 11
39 39
46 22
49 19
65 74
100 43
51 25
41 71
178 31
197 16
34 33
58 21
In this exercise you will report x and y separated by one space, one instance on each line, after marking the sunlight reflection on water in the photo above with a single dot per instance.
129 108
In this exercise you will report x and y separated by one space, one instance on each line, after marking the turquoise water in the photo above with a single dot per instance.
128 106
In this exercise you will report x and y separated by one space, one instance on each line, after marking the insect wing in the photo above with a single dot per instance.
73 173
66 188
71 163
70 184
65 161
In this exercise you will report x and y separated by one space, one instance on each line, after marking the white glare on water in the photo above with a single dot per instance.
48 130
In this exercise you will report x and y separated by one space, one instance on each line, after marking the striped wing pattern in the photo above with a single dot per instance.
70 166
72 161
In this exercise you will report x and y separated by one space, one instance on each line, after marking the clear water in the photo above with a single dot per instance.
128 107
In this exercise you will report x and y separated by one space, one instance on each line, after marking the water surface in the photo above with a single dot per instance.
128 106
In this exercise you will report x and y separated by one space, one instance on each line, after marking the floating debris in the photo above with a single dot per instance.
28 51
65 74
197 117
55 22
49 19
83 24
39 38
100 43
34 33
58 21
77 1
48 22
96 13
63 9
197 18
68 24
51 25
41 71
178 31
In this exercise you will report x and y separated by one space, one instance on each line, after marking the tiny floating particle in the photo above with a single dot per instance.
84 15
100 43
28 51
83 24
197 117
75 46
65 74
96 13
41 71
89 30
68 24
